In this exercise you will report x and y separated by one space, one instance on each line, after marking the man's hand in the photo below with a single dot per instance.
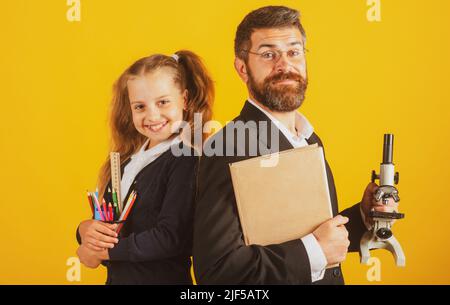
369 203
333 239
91 258
97 235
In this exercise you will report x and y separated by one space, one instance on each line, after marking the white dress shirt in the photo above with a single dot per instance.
317 259
140 160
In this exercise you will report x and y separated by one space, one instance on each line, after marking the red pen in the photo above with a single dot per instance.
111 215
105 210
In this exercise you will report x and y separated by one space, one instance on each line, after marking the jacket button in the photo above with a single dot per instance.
337 272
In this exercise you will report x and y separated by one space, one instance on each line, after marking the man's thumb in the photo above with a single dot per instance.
339 220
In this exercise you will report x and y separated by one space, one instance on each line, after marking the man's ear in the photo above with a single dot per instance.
241 69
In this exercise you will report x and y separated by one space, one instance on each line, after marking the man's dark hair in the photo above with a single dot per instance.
264 18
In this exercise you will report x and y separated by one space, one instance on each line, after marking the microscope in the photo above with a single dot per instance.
381 236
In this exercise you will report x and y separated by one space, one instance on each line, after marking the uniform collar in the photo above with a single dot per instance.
302 125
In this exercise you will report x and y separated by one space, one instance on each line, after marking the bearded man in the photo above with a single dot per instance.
270 59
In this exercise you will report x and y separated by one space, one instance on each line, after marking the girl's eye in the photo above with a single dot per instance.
163 102
139 107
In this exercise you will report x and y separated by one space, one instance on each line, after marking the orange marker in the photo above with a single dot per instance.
126 211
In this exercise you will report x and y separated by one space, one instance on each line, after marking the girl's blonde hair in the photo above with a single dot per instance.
190 74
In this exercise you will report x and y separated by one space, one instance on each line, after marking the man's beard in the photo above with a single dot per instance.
280 98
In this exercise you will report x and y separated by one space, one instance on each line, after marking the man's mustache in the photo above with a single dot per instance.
285 76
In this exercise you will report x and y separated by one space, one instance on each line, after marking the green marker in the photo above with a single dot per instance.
115 201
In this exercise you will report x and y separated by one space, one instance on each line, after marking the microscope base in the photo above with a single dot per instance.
370 241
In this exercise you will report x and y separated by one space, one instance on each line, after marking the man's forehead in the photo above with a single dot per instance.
276 36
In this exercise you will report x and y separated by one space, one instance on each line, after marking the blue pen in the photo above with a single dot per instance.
96 214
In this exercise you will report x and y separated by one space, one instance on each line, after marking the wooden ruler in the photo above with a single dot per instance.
115 176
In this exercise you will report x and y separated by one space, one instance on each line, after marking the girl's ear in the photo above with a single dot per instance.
185 99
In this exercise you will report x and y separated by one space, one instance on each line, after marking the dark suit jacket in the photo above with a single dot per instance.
219 253
155 243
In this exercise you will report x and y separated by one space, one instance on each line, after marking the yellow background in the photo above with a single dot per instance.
366 78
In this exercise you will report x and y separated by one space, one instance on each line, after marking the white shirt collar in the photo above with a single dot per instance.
140 160
157 149
302 125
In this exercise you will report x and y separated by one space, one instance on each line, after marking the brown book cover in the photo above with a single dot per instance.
284 201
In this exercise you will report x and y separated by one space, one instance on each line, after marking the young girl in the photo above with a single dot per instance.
150 99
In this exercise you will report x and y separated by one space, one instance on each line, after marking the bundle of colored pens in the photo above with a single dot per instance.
105 212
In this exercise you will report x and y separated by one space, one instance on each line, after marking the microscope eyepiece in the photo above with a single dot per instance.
388 148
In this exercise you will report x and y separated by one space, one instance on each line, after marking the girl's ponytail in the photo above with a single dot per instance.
200 88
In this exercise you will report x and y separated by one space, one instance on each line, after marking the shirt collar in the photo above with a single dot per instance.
157 149
302 125
140 160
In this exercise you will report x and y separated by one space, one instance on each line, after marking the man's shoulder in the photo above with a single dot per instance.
219 134
314 138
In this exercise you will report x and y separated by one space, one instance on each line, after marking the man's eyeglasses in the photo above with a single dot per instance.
273 55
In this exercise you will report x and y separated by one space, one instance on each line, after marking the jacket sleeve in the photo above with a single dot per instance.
355 226
174 225
220 254
78 235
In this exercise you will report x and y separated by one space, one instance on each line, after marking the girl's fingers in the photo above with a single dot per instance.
101 244
111 226
106 231
104 238
93 247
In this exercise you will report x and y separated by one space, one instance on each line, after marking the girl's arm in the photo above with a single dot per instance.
173 231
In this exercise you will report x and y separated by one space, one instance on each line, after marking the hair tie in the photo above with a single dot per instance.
175 56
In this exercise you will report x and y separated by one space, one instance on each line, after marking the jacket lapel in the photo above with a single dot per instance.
251 113
313 140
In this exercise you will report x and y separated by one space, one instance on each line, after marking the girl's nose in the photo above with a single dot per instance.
152 113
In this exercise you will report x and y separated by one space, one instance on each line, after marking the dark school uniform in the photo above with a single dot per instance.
155 243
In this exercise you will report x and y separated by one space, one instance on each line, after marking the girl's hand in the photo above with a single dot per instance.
88 257
97 235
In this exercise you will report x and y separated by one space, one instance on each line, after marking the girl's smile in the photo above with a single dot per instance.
156 127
